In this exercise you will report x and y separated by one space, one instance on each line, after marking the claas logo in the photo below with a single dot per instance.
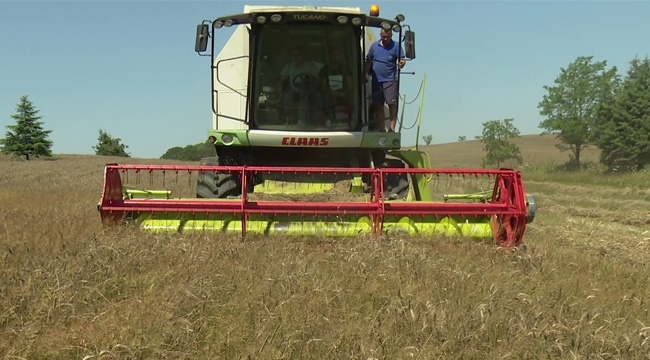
305 141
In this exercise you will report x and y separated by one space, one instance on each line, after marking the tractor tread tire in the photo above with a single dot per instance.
212 185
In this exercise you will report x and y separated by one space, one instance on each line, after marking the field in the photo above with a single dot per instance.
72 289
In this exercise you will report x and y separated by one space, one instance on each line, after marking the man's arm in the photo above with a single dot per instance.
402 60
368 64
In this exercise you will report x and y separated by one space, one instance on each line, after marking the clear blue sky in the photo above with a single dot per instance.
129 67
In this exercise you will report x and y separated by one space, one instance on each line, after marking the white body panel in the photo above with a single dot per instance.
305 139
231 99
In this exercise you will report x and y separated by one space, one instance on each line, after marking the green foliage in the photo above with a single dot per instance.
570 107
622 129
109 146
27 137
498 148
462 138
190 152
427 139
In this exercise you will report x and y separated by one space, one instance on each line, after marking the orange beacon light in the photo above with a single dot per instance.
374 10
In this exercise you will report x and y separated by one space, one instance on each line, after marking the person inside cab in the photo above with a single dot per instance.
299 82
336 79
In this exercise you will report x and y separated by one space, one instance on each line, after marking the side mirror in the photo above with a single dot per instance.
202 35
409 44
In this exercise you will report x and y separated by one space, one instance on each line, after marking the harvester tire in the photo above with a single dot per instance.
216 185
206 186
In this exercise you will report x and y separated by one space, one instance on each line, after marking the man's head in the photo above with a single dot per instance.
297 53
386 36
336 55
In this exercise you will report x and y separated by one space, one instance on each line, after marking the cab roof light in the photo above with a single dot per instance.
374 10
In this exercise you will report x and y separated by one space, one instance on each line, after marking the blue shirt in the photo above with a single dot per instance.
384 61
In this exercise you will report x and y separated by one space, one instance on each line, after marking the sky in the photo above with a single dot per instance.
129 67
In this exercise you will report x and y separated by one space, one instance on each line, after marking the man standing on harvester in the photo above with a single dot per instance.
384 56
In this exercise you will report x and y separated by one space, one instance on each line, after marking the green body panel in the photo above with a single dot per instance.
481 196
239 137
257 224
303 187
145 194
347 225
371 140
443 226
284 187
357 185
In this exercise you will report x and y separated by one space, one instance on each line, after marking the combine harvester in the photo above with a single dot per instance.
303 157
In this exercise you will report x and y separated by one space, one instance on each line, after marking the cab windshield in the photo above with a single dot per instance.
306 78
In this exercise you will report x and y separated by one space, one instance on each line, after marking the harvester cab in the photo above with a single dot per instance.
289 87
300 148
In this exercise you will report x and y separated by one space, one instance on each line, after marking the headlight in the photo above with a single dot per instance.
226 139
382 141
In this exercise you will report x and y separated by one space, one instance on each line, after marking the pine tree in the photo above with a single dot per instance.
109 146
622 130
27 137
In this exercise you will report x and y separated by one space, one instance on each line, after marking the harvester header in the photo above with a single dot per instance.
500 213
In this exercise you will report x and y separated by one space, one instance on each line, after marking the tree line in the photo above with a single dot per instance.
588 104
591 104
28 138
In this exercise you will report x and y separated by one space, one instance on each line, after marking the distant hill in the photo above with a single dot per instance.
535 149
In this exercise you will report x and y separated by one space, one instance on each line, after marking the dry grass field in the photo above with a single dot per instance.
72 289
